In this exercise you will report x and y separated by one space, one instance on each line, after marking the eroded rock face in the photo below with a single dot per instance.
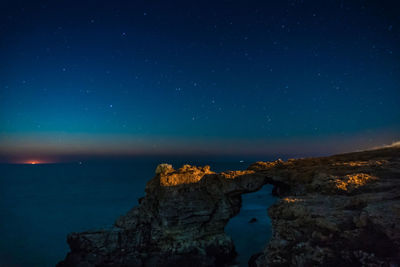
342 210
180 221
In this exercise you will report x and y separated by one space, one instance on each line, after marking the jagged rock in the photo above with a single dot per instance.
164 168
341 210
180 221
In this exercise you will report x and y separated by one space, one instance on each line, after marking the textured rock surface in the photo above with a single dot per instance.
180 221
341 210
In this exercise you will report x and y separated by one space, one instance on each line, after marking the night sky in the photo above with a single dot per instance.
197 77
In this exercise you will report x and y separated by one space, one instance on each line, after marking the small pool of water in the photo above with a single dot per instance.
251 238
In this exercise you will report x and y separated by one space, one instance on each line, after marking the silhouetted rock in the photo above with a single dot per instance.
253 220
341 210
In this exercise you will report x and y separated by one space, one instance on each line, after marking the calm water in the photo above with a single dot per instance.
41 204
250 238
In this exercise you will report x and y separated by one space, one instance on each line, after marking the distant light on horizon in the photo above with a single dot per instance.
34 162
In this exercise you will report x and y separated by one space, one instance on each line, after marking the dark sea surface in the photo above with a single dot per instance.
40 204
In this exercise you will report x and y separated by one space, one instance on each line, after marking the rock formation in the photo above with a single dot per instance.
341 210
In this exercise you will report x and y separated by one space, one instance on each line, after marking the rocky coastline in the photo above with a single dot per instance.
341 210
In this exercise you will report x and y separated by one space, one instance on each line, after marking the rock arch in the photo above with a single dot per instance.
181 219
327 210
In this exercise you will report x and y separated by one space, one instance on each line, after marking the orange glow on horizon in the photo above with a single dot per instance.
34 162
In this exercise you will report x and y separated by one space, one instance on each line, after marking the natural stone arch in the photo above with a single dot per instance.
181 218
329 207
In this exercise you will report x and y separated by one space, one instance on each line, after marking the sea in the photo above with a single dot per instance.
40 204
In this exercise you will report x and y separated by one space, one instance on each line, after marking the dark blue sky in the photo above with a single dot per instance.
209 77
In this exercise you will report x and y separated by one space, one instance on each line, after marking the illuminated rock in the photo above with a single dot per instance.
341 210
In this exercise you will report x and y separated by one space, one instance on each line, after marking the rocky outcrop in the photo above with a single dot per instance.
181 220
339 210
342 210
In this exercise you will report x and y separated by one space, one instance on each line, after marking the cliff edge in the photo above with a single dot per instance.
339 210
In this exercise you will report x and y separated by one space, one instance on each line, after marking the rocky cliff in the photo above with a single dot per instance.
339 210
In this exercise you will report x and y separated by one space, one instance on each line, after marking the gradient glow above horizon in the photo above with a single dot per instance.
197 77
